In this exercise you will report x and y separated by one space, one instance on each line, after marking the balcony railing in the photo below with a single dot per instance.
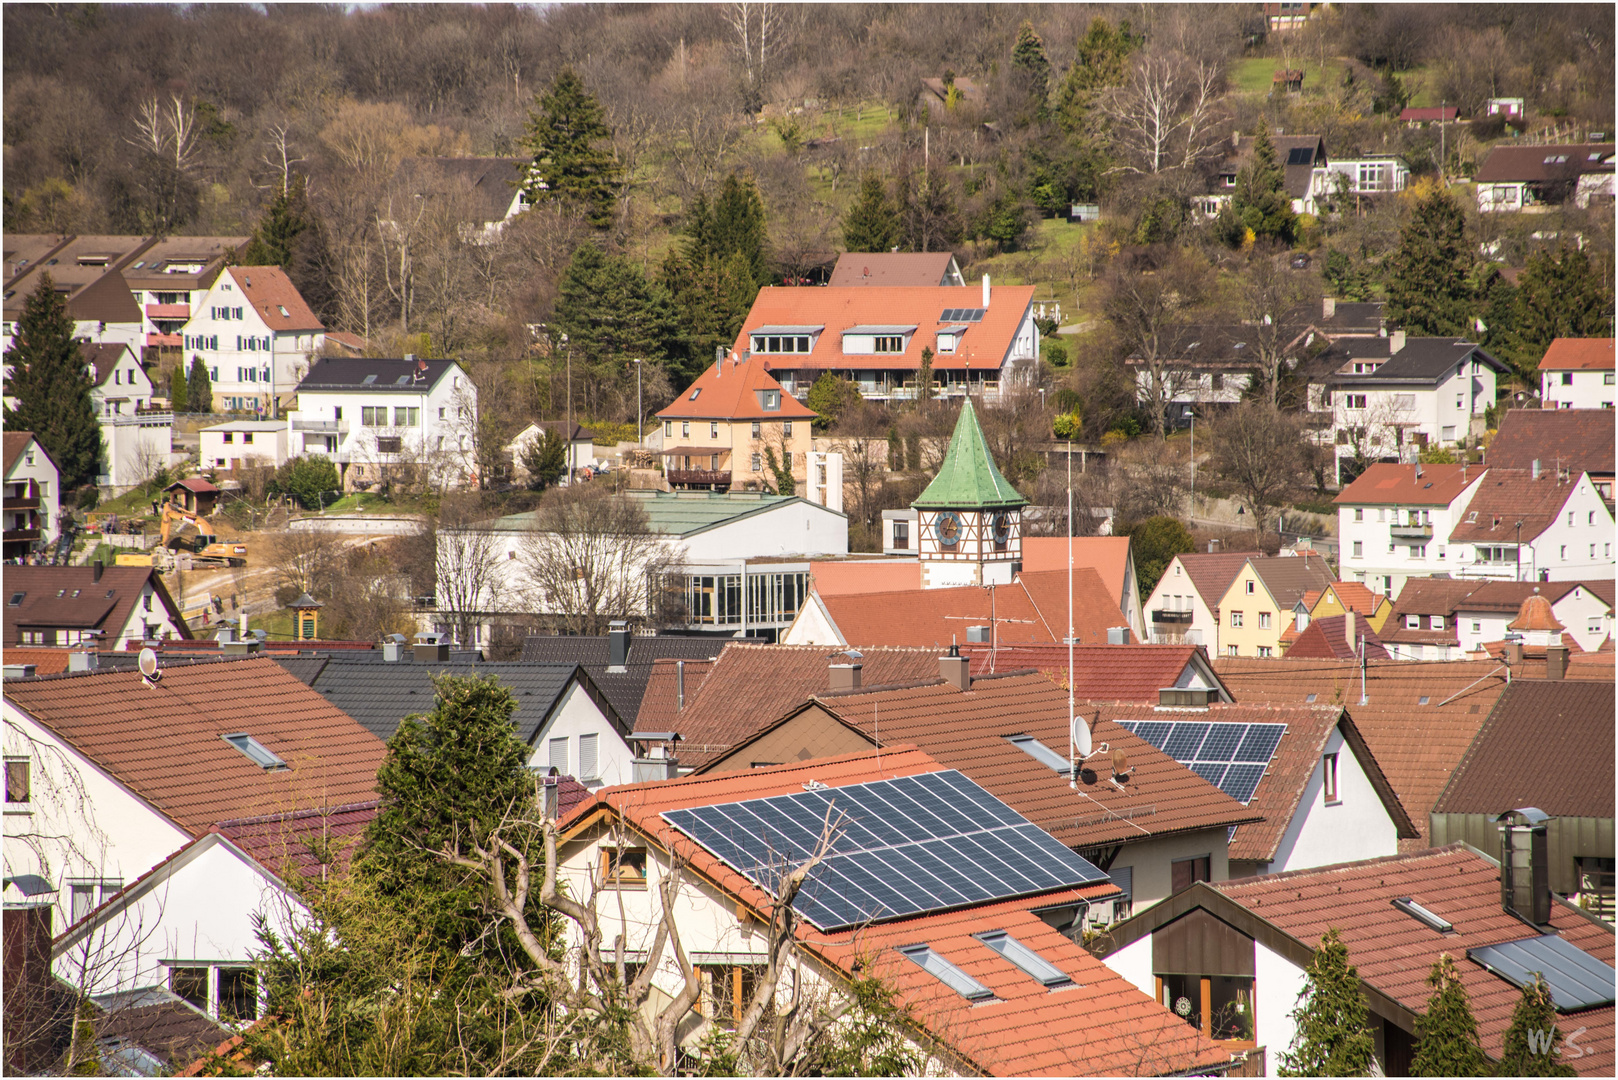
328 427
168 311
22 502
705 477
1164 615
1412 532
20 534
165 340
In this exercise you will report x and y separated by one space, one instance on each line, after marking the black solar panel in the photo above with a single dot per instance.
1576 979
1301 155
1260 742
1241 781
910 845
1222 741
1183 741
1211 771
962 314
1154 732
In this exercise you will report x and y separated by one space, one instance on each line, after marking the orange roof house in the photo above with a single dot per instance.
875 335
1338 599
1578 354
722 430
974 1003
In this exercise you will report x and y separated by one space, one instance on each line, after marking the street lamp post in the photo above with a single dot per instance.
1191 415
640 412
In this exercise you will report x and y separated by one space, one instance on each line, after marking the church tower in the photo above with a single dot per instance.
969 520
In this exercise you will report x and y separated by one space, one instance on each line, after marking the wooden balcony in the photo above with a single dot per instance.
1163 615
19 534
161 341
168 311
22 502
714 478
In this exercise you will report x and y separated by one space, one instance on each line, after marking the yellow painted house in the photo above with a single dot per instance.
1257 608
1338 598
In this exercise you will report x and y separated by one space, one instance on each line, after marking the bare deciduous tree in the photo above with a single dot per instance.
1165 117
1270 298
1153 312
591 558
466 562
166 131
1261 453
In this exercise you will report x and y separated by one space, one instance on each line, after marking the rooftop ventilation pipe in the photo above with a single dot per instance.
618 647
1525 885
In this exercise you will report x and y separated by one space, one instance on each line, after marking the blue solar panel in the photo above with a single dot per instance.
1222 741
1127 725
1211 771
1260 742
1241 781
1183 741
1576 979
1154 731
910 845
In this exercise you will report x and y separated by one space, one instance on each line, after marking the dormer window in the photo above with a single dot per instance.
890 343
781 342
769 400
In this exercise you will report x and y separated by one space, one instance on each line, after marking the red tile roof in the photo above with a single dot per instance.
751 686
839 577
195 484
164 742
734 393
1578 354
1288 578
1035 604
1395 953
969 732
890 268
660 705
1212 573
1102 1024
1328 639
1535 614
270 291
1417 745
1578 439
45 661
985 346
309 843
1106 555
1100 672
1507 496
1386 483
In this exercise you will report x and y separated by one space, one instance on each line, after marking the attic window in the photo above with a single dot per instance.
401 380
1310 700
694 392
947 973
282 309
16 599
256 751
1422 915
1039 752
140 264
1471 517
1035 965
368 380
1424 700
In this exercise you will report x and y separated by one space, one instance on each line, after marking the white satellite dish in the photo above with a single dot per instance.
148 667
1081 737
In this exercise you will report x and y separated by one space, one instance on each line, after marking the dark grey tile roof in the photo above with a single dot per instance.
350 373
1425 359
379 694
625 688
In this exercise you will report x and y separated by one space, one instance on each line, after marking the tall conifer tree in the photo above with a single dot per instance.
51 382
1429 282
1447 1033
1332 1038
1533 1042
565 133
1261 201
872 223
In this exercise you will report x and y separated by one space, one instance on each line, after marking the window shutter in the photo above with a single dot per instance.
587 757
238 313
1124 878
559 754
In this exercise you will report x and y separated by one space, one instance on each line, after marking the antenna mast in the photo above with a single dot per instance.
1070 599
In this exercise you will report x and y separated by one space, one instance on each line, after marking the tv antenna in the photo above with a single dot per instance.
148 668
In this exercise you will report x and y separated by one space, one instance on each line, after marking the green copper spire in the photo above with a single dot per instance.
968 479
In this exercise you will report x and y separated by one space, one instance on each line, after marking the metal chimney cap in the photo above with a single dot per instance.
1529 815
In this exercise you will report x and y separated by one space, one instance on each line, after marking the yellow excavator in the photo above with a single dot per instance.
205 548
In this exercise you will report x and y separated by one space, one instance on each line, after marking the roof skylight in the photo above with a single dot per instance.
947 973
1035 965
1422 915
256 752
1039 752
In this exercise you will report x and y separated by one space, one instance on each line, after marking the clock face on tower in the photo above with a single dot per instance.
947 526
1002 528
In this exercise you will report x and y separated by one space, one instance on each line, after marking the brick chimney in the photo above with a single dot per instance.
1556 662
846 676
955 669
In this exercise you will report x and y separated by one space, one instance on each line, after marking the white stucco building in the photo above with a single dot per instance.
244 442
32 494
382 418
255 335
1534 524
1577 373
1394 522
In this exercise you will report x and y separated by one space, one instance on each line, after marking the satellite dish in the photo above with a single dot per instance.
148 662
1081 737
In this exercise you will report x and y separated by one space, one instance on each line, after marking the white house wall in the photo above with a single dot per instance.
1171 593
797 528
578 715
269 447
1134 963
202 912
1277 982
133 448
1580 550
82 823
1355 827
1374 564
49 483
813 626
276 371
442 437
1584 390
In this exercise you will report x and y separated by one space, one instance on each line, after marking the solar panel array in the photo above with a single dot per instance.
1231 757
963 314
907 846
1576 979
